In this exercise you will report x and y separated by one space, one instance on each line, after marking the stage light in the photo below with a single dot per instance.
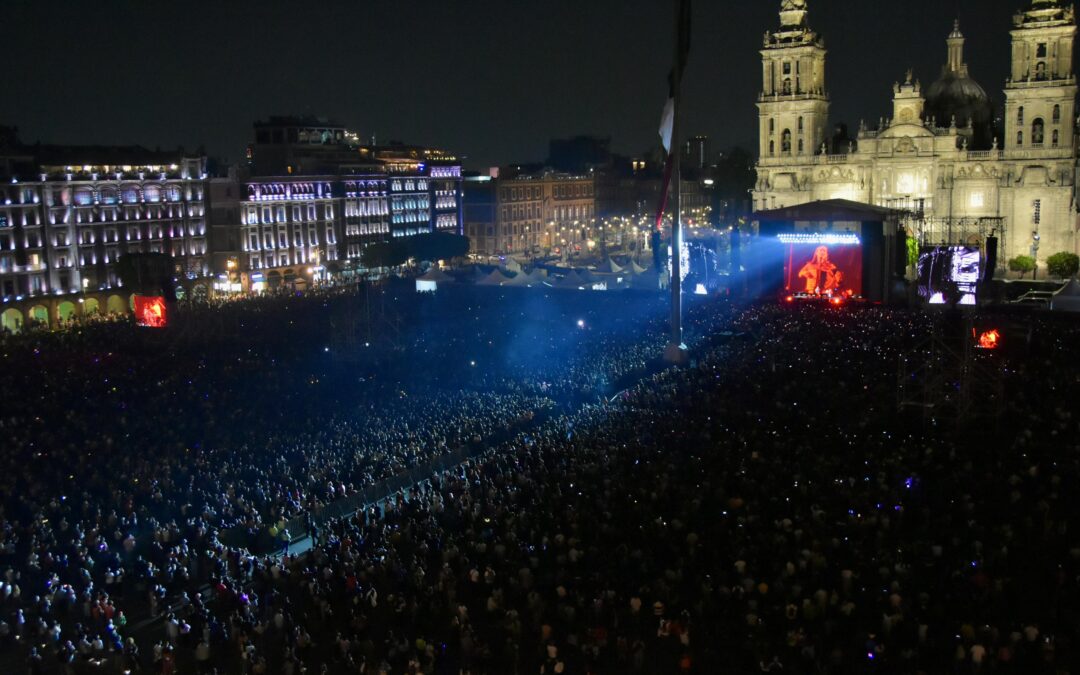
790 298
989 339
826 238
581 323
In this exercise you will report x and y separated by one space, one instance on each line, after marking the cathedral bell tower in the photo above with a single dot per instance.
793 108
1041 92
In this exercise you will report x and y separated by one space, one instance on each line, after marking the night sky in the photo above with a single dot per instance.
490 79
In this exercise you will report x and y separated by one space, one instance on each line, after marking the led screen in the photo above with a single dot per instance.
150 311
823 269
948 272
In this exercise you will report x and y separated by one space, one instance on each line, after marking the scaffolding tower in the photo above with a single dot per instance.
946 378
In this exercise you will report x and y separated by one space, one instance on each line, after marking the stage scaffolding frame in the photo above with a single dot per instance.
944 378
957 231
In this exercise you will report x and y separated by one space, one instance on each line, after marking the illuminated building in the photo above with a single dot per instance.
938 156
569 212
69 213
299 145
295 228
504 216
531 213
288 225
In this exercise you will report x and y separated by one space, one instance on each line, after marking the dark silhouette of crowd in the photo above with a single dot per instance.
766 508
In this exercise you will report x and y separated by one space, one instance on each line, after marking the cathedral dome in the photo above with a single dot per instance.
957 95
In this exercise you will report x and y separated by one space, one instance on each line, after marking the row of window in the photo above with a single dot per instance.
519 212
366 229
283 259
366 208
409 185
269 240
573 190
577 212
1038 135
266 215
772 126
1055 117
130 194
114 214
410 217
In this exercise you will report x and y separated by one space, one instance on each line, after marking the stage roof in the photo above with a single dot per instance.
828 210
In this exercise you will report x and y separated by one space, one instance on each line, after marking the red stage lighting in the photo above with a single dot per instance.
989 339
150 311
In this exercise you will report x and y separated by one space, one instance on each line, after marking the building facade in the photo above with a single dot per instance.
938 156
530 213
69 213
274 226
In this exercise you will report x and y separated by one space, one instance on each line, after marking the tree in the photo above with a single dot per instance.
912 252
1063 264
385 254
437 246
1022 264
430 246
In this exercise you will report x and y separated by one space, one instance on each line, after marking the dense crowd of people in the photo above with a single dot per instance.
765 509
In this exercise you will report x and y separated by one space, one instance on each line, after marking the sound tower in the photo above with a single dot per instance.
991 258
901 252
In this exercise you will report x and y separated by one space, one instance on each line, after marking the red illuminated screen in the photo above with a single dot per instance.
150 311
821 269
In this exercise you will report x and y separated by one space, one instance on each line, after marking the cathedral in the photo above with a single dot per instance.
940 157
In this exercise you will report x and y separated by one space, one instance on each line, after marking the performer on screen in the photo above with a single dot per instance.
821 275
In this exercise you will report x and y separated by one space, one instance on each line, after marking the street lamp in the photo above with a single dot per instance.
1035 238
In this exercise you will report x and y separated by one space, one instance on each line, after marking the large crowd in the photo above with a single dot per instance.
765 509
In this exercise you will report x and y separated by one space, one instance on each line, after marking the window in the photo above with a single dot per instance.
1040 70
1054 138
772 148
1037 131
772 126
800 125
1020 115
800 146
1040 51
787 85
787 68
1019 138
785 142
1057 114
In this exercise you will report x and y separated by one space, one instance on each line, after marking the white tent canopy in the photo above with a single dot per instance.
436 275
610 266
496 278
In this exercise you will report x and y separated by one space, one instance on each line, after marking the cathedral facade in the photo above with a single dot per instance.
939 156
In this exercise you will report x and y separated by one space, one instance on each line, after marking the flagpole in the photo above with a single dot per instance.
676 352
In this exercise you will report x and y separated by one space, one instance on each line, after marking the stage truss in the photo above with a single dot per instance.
946 378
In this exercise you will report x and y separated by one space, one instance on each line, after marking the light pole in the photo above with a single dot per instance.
1035 254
